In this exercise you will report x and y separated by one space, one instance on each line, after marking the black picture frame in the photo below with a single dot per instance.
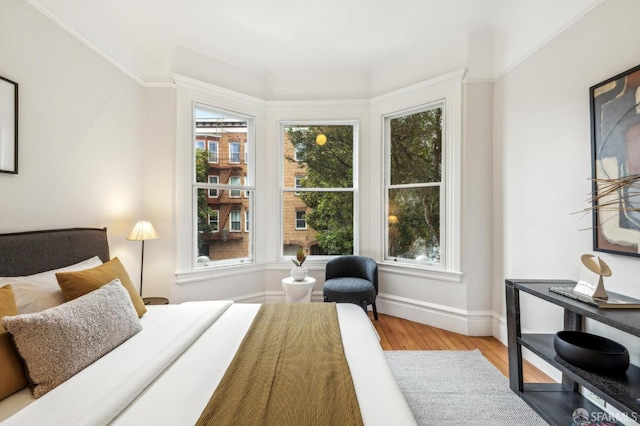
615 147
8 126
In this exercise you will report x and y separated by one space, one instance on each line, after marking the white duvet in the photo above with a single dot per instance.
166 374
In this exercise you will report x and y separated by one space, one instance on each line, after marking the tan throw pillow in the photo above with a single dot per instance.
13 378
57 343
76 284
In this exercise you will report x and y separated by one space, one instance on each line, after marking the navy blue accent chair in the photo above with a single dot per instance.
352 279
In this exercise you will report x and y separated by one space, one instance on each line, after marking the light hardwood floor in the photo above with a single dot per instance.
400 334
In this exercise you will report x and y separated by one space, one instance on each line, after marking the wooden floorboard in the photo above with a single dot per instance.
400 334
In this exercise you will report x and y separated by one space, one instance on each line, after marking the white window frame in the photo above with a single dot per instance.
295 154
421 185
211 143
238 105
247 220
235 181
246 153
231 154
448 90
354 189
232 221
301 228
297 184
217 221
213 192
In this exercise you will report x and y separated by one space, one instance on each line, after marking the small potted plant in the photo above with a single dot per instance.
299 272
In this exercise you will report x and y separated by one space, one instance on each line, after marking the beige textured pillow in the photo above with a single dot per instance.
12 377
57 343
76 284
37 292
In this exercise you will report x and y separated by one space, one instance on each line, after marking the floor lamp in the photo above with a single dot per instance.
142 231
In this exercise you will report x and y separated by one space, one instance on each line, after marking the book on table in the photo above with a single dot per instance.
615 301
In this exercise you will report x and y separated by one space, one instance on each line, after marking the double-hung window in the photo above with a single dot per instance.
414 187
213 180
234 182
219 181
318 188
213 220
235 221
301 220
420 218
213 151
234 152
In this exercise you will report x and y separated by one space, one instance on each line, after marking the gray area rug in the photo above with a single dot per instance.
458 388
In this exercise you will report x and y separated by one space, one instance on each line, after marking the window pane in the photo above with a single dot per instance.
414 224
213 193
328 217
213 151
221 210
329 165
218 139
213 220
235 221
301 220
234 152
234 181
218 236
416 147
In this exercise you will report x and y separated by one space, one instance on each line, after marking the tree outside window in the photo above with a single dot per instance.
414 185
318 181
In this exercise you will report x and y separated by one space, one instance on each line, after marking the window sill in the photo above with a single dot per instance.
226 271
215 272
420 271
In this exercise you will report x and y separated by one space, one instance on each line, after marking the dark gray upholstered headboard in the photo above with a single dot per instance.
27 253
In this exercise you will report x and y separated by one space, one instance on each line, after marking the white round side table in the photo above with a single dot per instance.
298 291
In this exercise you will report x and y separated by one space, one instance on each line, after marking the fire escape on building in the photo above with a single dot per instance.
224 203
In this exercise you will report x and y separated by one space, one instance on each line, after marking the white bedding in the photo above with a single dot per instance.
166 374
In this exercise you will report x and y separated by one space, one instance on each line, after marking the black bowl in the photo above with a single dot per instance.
591 352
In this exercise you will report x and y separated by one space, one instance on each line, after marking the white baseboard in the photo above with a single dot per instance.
469 323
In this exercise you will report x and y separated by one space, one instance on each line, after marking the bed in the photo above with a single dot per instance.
166 373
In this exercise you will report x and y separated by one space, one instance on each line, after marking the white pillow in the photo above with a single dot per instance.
35 293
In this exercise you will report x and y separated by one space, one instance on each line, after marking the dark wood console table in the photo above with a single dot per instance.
556 402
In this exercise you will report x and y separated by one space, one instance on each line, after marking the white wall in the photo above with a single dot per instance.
99 150
158 159
542 160
80 127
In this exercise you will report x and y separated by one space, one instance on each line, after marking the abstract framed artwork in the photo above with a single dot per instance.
8 126
615 145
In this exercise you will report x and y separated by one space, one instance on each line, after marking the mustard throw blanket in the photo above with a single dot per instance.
290 369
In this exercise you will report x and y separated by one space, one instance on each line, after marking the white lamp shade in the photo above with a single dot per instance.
143 230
